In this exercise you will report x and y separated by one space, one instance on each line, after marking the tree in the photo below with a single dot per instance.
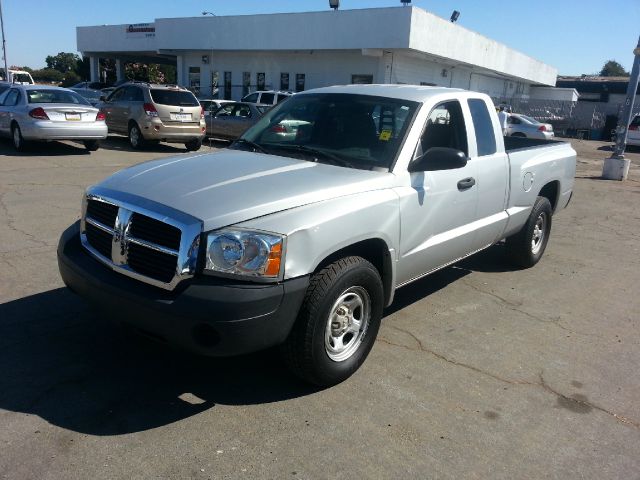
63 62
613 69
47 75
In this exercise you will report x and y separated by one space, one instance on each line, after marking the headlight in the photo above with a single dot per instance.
245 253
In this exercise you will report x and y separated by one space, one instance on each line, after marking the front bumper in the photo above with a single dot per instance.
208 315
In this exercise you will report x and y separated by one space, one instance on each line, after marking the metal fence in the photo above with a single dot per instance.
589 120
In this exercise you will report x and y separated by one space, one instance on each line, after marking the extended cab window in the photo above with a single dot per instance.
253 98
485 135
445 128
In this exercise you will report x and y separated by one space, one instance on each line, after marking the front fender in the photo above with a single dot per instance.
316 231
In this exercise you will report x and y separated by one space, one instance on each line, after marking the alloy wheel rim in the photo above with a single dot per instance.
347 324
134 136
539 231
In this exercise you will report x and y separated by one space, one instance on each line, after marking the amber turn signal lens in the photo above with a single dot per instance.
273 263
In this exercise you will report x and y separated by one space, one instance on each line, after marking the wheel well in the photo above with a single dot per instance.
13 124
376 251
132 123
550 192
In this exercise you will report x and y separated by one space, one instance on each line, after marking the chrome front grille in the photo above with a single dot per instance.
161 251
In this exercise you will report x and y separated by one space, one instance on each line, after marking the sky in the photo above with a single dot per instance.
575 36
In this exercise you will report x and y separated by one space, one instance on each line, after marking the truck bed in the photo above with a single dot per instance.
512 144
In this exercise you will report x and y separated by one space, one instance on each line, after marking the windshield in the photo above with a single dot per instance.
358 131
176 98
22 78
55 96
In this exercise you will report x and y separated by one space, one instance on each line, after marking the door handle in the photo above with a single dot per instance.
466 183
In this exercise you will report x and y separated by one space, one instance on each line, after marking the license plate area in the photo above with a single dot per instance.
180 117
73 117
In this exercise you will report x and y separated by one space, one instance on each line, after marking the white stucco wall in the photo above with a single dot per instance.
437 36
321 68
553 93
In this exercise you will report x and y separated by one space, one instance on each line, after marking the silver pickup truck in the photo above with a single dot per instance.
299 234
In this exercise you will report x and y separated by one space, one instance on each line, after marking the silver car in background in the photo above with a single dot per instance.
233 119
519 125
43 113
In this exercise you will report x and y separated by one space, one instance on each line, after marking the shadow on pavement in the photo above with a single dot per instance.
79 372
42 149
64 363
121 144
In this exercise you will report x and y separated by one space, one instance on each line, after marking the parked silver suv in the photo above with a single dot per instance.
149 113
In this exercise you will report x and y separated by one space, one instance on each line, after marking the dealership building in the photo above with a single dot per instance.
229 56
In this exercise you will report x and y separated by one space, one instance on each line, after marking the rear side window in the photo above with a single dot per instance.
11 99
253 98
485 136
267 98
133 94
282 97
176 98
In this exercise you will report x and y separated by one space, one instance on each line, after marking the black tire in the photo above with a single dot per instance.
307 349
92 145
193 145
526 247
17 139
136 140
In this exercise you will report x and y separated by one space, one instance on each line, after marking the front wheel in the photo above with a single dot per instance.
526 247
338 322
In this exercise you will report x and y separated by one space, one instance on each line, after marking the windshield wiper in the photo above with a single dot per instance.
326 156
254 145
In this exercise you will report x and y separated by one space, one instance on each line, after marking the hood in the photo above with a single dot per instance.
233 186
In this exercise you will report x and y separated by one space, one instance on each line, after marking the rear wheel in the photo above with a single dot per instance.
92 145
526 247
136 140
16 136
193 145
338 322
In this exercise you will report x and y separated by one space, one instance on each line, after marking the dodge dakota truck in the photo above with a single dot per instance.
299 234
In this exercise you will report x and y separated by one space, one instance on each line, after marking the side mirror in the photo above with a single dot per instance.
439 158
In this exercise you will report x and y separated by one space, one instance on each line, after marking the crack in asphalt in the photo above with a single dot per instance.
11 224
514 307
541 383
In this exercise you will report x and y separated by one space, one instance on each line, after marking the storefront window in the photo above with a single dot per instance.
227 85
300 79
215 79
362 79
260 81
194 79
246 83
284 81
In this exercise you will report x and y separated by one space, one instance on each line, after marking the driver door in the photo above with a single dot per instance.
440 207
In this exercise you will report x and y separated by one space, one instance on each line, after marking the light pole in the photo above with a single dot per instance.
616 167
4 46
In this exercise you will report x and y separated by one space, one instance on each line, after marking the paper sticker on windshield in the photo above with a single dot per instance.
385 135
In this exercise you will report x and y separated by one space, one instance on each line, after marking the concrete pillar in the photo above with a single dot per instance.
94 68
119 70
180 76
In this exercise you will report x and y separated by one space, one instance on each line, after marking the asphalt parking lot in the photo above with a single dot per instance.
480 371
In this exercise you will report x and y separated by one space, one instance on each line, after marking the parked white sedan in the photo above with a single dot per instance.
519 125
43 113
